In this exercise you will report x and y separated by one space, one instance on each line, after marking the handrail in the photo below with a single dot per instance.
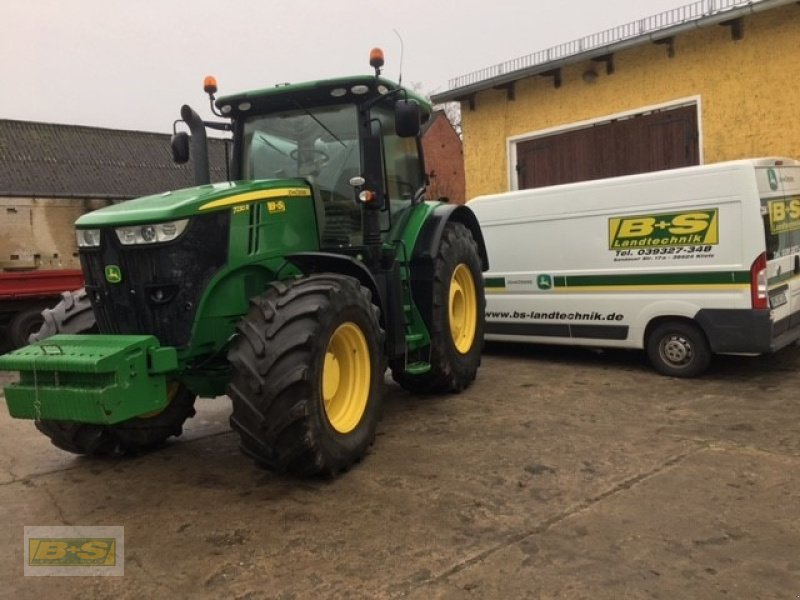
663 20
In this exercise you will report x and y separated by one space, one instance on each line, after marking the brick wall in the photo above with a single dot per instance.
444 160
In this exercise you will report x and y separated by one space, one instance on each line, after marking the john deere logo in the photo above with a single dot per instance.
772 177
113 274
544 282
664 229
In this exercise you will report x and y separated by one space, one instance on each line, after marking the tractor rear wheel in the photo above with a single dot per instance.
74 315
308 371
457 318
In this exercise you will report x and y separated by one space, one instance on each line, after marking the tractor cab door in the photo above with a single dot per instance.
404 175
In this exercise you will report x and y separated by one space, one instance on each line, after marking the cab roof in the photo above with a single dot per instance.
315 93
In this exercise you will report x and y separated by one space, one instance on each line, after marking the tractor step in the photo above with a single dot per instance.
418 368
102 379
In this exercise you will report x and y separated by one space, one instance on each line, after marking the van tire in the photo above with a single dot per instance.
678 349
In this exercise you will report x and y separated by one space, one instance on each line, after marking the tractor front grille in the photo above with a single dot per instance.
160 285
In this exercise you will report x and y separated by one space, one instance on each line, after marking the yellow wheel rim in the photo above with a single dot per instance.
346 377
172 391
463 308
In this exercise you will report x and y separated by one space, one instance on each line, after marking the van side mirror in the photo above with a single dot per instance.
180 147
407 118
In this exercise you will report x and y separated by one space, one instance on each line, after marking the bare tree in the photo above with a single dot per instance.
452 110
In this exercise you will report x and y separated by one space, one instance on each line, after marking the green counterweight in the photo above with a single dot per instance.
102 379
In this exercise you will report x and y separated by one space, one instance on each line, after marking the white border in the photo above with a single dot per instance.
512 141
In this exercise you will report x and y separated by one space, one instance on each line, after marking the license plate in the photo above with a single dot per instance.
777 300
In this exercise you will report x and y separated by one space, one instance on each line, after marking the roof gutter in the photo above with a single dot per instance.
464 92
67 195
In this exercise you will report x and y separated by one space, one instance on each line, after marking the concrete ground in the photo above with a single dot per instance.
560 474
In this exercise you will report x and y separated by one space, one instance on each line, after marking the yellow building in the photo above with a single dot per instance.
714 80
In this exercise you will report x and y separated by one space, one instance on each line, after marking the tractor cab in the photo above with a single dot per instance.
354 140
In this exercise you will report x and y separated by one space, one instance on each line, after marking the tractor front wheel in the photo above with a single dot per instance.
457 318
73 314
306 388
133 436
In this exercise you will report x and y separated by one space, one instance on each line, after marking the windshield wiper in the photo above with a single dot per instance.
320 123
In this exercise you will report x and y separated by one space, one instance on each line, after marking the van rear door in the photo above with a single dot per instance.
779 188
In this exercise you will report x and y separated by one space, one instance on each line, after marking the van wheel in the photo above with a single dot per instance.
678 349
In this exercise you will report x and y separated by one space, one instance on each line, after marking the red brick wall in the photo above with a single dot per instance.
444 160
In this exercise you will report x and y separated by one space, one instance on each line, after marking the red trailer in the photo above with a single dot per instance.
23 296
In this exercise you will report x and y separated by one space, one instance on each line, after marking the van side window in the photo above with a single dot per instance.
781 226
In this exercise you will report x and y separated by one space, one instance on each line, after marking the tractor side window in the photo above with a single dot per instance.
403 174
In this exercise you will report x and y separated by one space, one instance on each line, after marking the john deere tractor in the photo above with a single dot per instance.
291 288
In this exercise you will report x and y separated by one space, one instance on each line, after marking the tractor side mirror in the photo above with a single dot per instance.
407 118
180 147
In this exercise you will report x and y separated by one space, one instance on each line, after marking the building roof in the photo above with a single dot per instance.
656 28
53 160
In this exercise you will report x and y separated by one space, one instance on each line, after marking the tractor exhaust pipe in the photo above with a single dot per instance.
199 145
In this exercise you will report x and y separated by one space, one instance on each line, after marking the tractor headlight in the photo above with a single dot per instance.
151 234
88 238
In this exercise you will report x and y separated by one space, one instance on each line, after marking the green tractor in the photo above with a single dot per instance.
290 288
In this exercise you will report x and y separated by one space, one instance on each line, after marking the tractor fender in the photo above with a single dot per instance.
426 249
430 235
326 262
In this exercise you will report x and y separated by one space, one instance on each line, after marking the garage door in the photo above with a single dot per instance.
665 139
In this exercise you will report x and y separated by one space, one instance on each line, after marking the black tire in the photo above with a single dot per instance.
279 358
678 349
24 324
74 315
134 436
452 368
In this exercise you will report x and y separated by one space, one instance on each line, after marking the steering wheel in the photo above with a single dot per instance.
323 156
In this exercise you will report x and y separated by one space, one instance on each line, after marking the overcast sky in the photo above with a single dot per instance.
132 64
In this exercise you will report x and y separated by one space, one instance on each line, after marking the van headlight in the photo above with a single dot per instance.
88 238
151 234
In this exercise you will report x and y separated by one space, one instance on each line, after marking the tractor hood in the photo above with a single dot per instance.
189 202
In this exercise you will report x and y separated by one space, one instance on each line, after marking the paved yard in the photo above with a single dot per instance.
560 474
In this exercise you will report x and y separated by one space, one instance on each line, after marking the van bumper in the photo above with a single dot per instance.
743 331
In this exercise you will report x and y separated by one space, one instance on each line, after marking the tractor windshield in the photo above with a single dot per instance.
320 144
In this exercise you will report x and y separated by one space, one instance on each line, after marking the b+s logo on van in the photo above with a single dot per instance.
686 228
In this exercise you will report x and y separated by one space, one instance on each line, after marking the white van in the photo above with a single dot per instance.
683 263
